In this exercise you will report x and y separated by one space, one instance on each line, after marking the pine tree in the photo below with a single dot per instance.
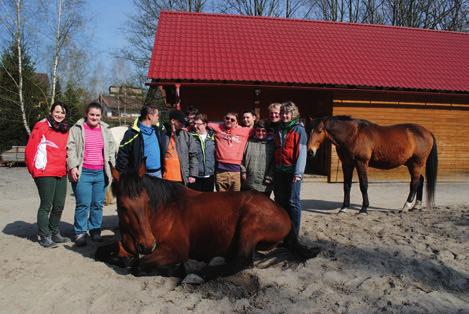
12 131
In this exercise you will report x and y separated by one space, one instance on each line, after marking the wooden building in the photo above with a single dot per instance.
388 75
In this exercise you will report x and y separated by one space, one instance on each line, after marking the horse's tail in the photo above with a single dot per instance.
302 252
431 172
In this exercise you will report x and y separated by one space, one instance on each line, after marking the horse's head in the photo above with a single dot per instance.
133 208
317 134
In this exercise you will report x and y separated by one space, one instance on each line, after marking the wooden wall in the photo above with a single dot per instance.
448 122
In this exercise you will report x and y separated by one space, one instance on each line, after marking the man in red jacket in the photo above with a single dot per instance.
230 139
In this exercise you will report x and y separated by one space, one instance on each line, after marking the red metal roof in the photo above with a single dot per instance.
240 49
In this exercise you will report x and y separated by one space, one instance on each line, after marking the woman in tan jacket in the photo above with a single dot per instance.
90 149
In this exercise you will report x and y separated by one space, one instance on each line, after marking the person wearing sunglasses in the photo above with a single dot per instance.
290 161
257 167
230 139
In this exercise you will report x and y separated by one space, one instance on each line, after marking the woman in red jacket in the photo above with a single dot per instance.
46 155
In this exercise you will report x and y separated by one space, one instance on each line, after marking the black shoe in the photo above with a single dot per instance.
46 241
96 236
80 239
58 238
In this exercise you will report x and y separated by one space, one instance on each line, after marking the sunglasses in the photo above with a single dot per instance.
230 119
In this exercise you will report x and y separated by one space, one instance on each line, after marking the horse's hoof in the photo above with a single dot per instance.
217 261
193 279
363 212
343 210
191 266
418 206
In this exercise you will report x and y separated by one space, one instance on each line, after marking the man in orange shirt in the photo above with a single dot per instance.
179 151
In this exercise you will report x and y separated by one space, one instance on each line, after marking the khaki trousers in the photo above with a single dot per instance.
228 181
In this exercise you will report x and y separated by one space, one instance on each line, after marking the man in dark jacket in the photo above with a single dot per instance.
142 141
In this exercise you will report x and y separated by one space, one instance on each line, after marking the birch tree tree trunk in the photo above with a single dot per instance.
57 49
18 35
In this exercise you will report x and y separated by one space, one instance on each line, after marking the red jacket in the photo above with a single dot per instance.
46 151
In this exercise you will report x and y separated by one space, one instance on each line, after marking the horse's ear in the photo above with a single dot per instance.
114 172
142 169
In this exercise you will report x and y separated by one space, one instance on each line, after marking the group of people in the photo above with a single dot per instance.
228 156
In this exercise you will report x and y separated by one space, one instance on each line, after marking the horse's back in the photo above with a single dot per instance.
215 220
394 145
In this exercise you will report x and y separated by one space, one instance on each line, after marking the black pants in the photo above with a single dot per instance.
203 184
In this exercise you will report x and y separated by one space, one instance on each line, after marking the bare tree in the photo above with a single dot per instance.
67 19
141 28
252 7
16 29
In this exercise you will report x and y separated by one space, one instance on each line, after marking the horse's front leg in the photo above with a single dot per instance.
415 173
164 261
348 175
114 254
362 170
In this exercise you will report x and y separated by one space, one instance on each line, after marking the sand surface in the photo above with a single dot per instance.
384 262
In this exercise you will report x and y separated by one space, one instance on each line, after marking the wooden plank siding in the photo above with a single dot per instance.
448 122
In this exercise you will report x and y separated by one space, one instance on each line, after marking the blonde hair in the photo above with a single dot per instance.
289 106
275 105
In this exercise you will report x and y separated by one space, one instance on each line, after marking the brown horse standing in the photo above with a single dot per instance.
163 224
361 144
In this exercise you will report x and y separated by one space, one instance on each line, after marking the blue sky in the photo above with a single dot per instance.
109 17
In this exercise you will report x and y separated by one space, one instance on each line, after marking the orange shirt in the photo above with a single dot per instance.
172 167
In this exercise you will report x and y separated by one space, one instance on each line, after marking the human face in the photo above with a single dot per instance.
154 117
230 121
248 120
286 116
176 124
200 126
93 117
274 114
190 119
261 133
58 114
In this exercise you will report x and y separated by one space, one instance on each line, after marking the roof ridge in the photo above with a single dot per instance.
312 21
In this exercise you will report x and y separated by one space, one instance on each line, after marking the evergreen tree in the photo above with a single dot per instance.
72 97
12 131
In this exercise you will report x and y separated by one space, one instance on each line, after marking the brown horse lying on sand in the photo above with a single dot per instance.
361 144
163 224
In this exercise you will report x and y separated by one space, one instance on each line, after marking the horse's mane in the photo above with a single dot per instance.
160 192
360 122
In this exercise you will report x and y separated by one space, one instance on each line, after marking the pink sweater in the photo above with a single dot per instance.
230 143
94 145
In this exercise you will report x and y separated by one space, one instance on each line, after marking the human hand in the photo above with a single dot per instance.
191 180
243 176
74 174
296 178
267 181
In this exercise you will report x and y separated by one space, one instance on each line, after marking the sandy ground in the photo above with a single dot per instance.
383 262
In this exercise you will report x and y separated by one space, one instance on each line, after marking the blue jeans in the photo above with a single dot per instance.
287 195
89 196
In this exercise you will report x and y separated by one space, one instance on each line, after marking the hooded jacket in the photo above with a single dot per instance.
46 151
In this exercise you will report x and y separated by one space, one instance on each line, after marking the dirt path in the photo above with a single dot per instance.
383 262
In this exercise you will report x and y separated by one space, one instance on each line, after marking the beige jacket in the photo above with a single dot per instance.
76 147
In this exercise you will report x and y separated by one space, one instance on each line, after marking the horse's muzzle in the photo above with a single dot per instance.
144 250
312 152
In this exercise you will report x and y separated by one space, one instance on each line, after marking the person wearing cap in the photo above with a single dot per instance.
179 151
142 141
